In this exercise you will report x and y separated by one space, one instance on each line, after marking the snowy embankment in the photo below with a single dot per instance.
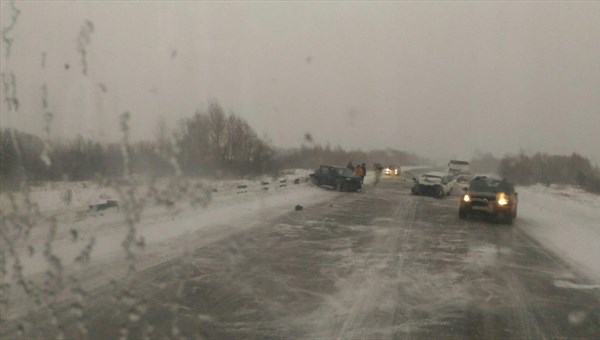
565 220
166 232
233 204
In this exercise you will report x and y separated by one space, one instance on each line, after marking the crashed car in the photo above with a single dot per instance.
339 178
490 196
463 178
433 183
391 170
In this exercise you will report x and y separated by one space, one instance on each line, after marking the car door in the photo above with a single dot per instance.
327 175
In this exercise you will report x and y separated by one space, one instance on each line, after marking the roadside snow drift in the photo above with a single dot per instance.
566 220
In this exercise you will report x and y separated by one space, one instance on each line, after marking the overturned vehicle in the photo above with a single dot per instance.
433 183
339 178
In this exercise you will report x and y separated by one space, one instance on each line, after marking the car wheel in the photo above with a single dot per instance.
338 186
415 190
462 214
450 192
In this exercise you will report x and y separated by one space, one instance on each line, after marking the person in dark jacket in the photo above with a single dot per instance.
364 166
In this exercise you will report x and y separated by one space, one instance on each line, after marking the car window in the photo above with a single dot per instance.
345 172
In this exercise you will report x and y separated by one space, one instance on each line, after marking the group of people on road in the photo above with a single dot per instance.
360 170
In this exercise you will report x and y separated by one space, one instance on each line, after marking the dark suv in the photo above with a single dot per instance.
340 178
490 196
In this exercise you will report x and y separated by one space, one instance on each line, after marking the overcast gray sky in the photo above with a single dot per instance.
438 78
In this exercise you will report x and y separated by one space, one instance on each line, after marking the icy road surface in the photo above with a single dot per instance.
380 264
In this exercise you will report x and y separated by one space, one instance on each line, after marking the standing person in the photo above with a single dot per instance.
350 166
364 166
358 171
378 168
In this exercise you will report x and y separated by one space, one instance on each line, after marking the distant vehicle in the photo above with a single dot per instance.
339 178
456 167
391 170
433 183
490 196
104 205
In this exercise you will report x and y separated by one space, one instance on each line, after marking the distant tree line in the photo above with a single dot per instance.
207 144
543 168
75 160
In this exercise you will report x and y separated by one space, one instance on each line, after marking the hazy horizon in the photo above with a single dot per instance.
442 80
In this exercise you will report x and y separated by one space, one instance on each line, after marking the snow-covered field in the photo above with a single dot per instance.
566 220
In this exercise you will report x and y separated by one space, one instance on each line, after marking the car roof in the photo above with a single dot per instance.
435 173
454 161
487 178
490 178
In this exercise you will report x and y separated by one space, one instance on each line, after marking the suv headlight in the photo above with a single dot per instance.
466 198
502 199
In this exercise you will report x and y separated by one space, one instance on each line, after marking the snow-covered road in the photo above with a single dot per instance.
376 264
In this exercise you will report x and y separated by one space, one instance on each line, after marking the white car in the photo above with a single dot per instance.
433 183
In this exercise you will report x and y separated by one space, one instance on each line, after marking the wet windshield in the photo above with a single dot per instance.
187 170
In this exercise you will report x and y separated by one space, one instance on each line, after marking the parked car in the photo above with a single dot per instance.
490 196
433 183
339 178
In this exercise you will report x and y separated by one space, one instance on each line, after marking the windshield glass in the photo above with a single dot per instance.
345 172
432 177
285 169
489 186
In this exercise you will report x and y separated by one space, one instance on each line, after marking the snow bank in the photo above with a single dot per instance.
565 219
165 232
234 204
57 196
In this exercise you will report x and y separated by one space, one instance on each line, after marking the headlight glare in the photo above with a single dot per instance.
502 199
466 198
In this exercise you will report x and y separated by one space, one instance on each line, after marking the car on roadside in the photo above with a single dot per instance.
492 196
433 183
337 177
